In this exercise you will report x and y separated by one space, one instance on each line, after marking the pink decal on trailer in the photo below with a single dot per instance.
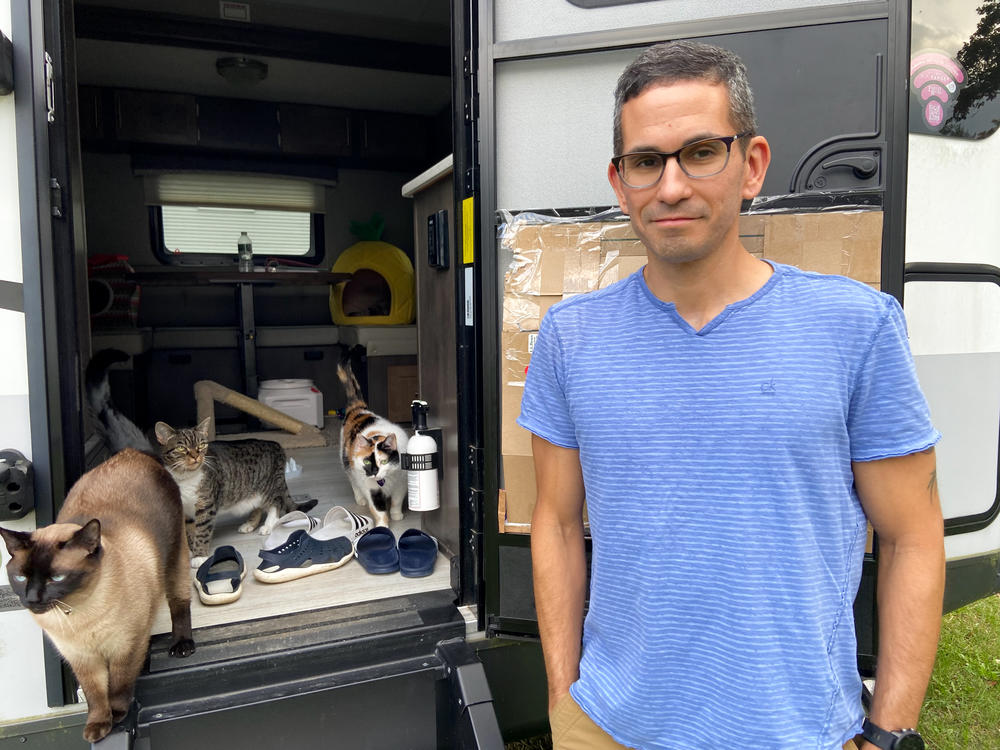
935 77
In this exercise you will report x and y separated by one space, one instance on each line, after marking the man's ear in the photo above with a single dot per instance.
758 157
616 184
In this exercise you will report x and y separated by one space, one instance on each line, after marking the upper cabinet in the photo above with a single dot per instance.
237 124
155 117
393 135
129 120
309 130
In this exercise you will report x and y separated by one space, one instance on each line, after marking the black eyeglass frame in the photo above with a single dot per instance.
729 140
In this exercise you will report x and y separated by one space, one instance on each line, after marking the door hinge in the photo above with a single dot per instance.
471 108
55 197
471 180
474 455
50 89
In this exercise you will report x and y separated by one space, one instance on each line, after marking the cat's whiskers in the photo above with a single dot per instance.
63 607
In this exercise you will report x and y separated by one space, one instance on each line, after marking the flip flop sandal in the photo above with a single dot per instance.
324 548
219 579
287 525
377 552
418 552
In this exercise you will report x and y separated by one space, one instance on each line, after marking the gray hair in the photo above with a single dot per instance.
671 62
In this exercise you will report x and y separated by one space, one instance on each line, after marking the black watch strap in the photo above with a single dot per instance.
885 739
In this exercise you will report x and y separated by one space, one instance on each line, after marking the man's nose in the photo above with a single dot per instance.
674 184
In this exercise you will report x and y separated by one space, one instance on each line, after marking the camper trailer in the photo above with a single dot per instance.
419 182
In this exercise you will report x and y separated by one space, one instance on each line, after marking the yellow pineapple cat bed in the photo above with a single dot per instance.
380 291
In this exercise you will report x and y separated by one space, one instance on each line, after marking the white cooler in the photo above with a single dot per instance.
296 397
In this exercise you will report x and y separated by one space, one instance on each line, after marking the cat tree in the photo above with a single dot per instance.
297 434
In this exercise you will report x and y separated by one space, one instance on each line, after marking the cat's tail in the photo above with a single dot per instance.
295 502
119 431
351 387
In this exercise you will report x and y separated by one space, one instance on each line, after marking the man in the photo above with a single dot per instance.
732 424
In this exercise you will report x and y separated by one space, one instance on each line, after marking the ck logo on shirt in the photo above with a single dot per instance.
768 387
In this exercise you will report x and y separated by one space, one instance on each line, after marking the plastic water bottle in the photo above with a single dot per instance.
244 249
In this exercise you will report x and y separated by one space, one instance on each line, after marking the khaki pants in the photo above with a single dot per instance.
572 729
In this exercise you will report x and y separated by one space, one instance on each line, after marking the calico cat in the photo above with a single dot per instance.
369 448
118 430
95 578
239 475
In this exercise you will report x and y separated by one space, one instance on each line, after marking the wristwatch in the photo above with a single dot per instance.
901 739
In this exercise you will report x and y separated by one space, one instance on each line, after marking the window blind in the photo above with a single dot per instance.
207 229
234 191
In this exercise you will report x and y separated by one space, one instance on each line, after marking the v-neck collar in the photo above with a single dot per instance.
671 307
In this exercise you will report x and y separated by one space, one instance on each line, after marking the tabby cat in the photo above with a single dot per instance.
94 579
236 475
369 448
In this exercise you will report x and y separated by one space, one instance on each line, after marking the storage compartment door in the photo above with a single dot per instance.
546 98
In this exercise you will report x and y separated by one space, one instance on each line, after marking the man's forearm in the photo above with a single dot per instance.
560 577
910 592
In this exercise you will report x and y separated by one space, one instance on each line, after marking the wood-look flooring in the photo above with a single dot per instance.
323 478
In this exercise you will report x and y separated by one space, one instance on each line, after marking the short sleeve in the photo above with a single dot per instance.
888 415
544 408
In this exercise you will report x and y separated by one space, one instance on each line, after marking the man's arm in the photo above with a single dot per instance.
900 498
559 562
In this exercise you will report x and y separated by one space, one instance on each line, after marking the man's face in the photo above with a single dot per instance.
681 219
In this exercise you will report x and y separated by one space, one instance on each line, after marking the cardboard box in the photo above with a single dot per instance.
519 486
402 387
848 243
524 312
554 260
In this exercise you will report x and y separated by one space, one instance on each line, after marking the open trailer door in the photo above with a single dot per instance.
833 201
952 294
53 248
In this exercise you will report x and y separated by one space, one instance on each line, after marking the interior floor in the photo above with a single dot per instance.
323 478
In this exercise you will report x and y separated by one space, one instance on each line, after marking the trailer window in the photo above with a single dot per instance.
198 217
955 68
209 229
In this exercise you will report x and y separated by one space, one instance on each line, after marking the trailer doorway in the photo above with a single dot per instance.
355 106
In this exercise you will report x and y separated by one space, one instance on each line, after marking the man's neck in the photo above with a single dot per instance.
702 289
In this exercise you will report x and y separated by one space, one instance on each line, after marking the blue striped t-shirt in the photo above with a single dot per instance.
727 535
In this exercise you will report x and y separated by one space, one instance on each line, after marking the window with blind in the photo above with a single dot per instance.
195 216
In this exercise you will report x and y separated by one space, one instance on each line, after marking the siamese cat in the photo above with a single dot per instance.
369 448
243 475
94 579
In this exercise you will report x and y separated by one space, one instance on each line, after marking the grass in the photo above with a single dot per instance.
962 709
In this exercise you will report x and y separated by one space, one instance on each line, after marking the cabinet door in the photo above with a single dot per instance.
92 114
237 124
390 134
156 117
314 131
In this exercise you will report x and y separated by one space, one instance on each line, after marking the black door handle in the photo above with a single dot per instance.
863 166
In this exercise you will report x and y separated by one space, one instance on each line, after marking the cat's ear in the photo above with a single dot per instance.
16 540
88 538
202 428
389 444
164 432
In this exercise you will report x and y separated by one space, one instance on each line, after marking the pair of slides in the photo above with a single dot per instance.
219 579
413 556
300 545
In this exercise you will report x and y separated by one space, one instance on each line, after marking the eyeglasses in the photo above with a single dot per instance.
700 159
